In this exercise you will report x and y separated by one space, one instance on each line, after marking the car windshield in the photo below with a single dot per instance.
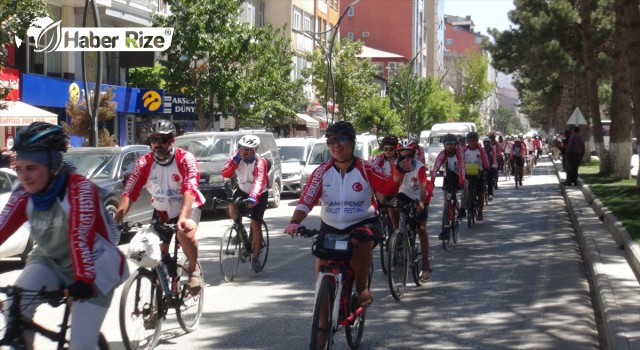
206 150
291 154
93 165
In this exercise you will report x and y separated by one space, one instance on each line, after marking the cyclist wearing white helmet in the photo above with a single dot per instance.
251 171
171 176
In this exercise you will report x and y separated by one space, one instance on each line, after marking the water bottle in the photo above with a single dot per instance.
162 270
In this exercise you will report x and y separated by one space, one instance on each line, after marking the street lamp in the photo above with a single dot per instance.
328 55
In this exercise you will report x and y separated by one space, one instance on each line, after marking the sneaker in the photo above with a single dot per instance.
490 197
256 265
463 212
150 322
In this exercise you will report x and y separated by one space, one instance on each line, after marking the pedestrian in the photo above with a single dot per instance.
565 141
574 153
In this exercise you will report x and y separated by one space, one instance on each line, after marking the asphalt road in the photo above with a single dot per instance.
514 281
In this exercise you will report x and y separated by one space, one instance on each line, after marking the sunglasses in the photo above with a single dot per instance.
340 140
388 148
159 139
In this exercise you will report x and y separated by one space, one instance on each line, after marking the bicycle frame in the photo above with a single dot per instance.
343 277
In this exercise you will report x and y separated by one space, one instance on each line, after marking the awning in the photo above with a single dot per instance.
16 113
309 122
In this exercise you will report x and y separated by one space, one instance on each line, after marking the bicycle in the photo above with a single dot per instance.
336 278
404 250
235 246
472 202
387 230
16 324
149 293
450 218
517 171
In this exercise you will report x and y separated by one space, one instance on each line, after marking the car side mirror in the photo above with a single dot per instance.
303 163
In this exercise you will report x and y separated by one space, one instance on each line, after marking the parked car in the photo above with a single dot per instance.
365 145
107 168
213 149
293 152
19 244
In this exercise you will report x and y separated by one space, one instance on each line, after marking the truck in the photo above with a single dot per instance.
435 145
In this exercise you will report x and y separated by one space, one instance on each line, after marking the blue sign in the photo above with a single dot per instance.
151 101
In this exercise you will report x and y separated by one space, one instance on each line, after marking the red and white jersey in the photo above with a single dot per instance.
507 147
166 184
413 180
519 150
382 162
347 200
454 163
252 177
476 156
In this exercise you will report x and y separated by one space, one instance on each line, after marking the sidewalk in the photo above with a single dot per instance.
613 261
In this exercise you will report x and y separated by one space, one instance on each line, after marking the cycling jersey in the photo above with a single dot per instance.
382 162
454 163
65 244
410 185
519 150
166 184
347 200
476 156
252 176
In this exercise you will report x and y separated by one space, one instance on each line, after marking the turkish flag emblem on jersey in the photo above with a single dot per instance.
175 178
357 187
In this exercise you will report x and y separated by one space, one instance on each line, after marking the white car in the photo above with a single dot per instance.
19 244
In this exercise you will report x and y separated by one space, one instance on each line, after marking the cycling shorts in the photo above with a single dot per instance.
422 215
257 211
160 217
370 227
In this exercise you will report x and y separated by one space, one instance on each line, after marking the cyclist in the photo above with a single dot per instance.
507 146
477 166
416 187
66 215
251 171
415 140
452 157
387 159
518 155
496 145
531 151
345 184
492 158
171 176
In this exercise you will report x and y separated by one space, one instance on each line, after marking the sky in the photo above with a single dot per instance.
484 13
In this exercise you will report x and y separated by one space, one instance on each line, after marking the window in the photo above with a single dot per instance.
365 34
307 22
350 36
296 21
350 11
478 40
47 63
449 42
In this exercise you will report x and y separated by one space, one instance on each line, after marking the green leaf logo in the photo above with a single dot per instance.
51 36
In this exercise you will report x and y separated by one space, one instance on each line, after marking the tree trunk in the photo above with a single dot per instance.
633 12
589 57
620 137
567 104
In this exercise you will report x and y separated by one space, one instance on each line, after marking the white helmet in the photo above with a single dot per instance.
250 141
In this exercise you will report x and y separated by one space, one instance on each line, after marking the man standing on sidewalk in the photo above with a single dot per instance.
574 153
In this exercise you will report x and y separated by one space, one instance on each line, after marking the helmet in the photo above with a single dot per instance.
404 144
341 128
413 138
251 141
390 140
449 138
162 127
40 136
492 135
486 141
472 136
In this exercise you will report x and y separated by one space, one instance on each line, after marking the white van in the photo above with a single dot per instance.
293 152
365 145
435 144
424 138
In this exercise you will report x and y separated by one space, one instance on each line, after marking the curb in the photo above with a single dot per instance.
614 331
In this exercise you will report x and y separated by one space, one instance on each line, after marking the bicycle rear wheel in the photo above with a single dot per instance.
355 329
384 243
398 260
322 323
189 306
140 319
415 254
230 250
264 249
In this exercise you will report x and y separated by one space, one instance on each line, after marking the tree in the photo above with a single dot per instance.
77 110
147 77
376 112
505 122
475 87
352 75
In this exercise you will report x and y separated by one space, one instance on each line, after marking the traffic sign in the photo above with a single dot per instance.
576 118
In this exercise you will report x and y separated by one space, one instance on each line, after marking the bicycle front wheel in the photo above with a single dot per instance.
384 243
415 254
322 324
230 253
264 247
455 223
398 260
189 307
140 319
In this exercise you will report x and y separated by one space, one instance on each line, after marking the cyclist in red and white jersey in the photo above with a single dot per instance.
344 185
66 216
518 156
415 140
171 176
452 158
251 171
387 159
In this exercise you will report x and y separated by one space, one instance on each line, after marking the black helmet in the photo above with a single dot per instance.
472 136
162 127
449 138
40 136
341 128
390 140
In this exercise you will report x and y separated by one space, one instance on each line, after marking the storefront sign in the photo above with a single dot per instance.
151 101
10 78
180 104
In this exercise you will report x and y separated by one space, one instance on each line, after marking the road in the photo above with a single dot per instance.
515 280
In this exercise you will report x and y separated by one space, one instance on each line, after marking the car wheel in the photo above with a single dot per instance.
275 201
27 250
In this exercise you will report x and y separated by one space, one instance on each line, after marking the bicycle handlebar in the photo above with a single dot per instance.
307 232
53 297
